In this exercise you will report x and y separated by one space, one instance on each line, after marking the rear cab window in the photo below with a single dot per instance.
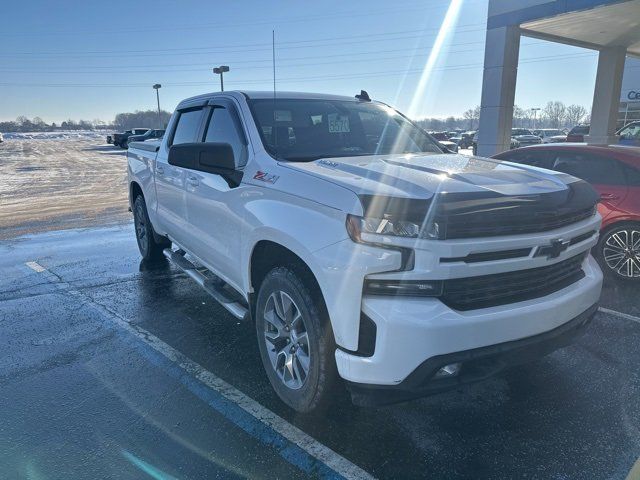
187 126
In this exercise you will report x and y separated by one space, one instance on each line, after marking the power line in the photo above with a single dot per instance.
304 18
294 65
295 79
225 49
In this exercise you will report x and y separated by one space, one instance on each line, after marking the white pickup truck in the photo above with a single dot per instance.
359 248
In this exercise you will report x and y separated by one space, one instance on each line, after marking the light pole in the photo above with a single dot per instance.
220 71
157 88
535 111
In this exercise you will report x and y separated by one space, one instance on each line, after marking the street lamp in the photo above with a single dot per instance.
535 111
220 71
157 88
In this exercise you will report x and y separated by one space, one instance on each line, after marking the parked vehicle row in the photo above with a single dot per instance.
134 135
361 251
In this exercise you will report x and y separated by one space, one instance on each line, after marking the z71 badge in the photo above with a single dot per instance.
265 177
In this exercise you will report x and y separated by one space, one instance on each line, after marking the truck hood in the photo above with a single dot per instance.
421 176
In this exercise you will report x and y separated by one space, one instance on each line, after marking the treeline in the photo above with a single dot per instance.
123 121
141 119
553 115
24 124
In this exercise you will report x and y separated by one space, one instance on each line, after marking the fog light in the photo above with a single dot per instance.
450 370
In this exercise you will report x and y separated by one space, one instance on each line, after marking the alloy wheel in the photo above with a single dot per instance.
286 339
621 252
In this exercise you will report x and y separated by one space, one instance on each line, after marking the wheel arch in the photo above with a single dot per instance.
267 255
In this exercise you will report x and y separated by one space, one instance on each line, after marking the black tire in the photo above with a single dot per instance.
124 144
150 243
315 389
619 251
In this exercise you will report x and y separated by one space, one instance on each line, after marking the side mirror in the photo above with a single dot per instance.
214 158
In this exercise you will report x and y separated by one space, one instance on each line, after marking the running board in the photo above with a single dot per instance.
215 288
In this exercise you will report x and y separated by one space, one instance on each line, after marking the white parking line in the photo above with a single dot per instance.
293 434
619 314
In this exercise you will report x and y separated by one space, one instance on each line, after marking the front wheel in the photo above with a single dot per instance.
295 340
619 250
150 244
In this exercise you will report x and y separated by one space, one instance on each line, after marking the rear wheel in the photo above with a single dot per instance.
295 340
150 243
619 251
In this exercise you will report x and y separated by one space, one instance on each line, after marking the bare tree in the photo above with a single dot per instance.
472 116
575 114
555 113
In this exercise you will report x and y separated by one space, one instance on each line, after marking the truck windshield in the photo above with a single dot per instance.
309 129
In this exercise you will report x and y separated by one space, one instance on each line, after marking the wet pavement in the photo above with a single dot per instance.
85 394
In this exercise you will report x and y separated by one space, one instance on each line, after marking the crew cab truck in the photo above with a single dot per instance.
360 250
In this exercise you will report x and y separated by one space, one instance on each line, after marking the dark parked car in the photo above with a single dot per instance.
524 137
614 171
150 135
120 139
577 133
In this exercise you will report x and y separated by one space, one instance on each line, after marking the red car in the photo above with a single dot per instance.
614 171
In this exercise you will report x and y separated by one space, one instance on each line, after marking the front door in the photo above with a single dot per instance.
213 202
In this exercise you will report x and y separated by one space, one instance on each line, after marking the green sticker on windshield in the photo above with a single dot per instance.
338 123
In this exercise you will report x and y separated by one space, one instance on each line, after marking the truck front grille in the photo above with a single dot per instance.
486 226
511 287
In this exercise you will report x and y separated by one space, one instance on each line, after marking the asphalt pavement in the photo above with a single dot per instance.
111 368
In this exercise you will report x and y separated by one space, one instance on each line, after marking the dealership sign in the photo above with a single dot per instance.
633 95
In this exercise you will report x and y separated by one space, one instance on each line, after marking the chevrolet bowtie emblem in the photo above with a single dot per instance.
555 249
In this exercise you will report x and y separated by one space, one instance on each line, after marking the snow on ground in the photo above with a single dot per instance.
54 135
56 183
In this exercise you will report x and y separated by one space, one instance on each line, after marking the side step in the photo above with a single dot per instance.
214 287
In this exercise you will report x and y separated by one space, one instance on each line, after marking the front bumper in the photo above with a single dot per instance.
477 364
411 331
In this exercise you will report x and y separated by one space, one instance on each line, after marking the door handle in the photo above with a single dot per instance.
159 169
609 196
193 181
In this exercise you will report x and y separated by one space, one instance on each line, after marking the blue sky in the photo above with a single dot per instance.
93 59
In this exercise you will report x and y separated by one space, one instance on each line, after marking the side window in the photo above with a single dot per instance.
592 168
223 128
633 176
187 127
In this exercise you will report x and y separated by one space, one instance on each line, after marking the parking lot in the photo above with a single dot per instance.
132 371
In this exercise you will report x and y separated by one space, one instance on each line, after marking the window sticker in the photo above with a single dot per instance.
282 115
338 123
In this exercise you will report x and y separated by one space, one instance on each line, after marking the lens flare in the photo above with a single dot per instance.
446 29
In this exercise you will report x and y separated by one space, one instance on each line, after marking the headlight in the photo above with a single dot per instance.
357 226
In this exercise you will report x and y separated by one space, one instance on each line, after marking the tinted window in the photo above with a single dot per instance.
633 176
580 130
520 131
592 168
187 128
308 129
223 129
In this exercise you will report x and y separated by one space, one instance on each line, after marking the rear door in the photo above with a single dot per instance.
605 174
170 180
216 225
